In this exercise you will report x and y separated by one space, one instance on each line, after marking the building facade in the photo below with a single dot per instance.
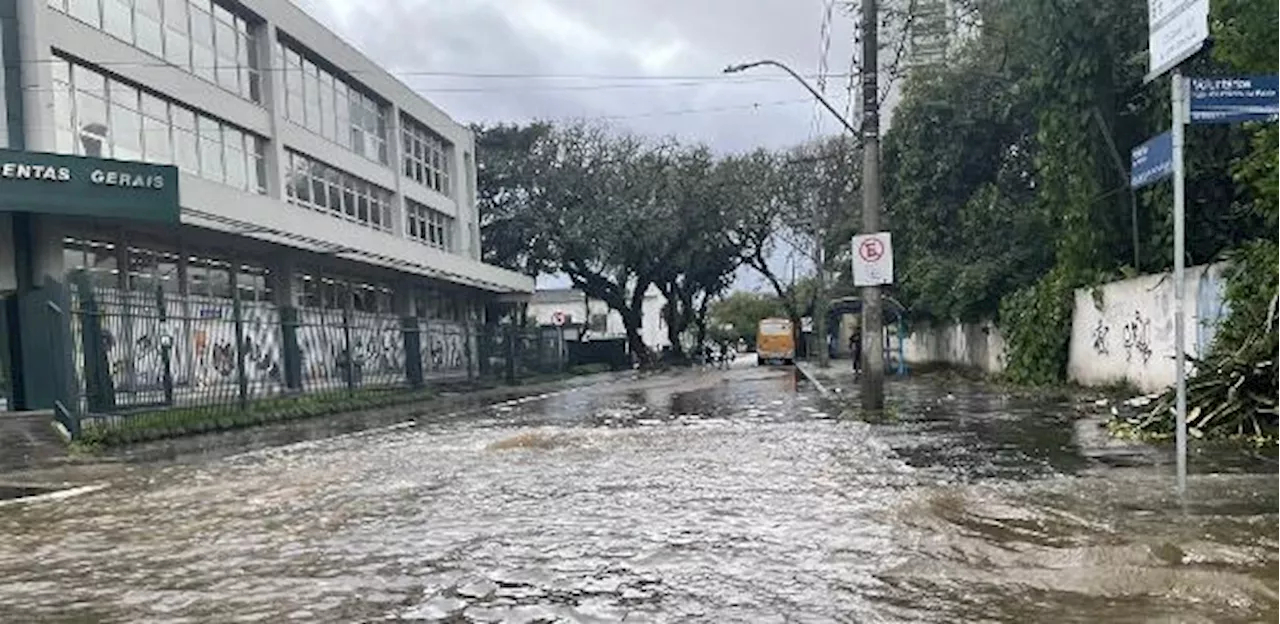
594 317
320 201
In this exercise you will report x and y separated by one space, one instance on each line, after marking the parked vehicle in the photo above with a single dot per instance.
775 341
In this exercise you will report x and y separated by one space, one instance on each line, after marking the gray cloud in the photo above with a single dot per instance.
606 38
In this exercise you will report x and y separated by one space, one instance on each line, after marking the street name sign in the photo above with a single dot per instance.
1234 99
872 259
1152 161
1176 29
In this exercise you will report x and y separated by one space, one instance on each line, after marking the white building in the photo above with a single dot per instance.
600 322
311 182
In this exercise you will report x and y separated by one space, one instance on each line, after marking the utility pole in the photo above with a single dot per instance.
872 311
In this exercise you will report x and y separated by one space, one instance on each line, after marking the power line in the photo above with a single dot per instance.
429 73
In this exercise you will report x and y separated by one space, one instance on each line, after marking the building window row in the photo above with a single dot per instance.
149 270
426 155
99 115
430 226
331 107
336 293
318 186
199 36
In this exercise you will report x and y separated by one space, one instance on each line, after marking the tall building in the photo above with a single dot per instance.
225 158
931 33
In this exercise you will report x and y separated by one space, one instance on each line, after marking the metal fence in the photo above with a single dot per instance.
145 352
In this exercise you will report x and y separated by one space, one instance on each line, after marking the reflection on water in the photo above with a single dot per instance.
716 497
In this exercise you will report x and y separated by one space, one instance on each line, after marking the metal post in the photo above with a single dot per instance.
1179 93
348 353
872 314
237 317
166 345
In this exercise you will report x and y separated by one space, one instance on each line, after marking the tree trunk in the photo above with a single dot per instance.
631 321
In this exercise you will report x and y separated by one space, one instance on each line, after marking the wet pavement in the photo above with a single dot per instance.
706 496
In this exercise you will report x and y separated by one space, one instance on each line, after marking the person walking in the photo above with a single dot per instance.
855 350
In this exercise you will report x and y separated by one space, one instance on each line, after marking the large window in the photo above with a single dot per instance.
426 155
200 36
318 186
429 226
332 107
99 115
316 290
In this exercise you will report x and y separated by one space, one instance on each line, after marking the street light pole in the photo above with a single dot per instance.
819 258
872 314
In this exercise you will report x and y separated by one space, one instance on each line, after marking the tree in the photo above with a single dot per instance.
504 189
615 213
742 312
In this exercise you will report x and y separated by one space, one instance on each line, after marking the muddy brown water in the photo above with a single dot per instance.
732 496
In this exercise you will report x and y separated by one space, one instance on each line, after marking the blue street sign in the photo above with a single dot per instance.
1233 100
1152 161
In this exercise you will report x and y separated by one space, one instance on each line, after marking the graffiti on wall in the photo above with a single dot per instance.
444 348
376 353
1137 338
1100 332
201 334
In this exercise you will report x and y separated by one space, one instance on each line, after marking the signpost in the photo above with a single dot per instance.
1176 30
1234 100
1152 161
872 259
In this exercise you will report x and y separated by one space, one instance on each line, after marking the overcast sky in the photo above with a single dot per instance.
650 66
654 65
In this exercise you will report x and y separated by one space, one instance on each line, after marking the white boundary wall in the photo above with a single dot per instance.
1125 333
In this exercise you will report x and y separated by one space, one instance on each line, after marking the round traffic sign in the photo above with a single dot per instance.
871 250
558 318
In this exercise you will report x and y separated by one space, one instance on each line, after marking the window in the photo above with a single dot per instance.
204 38
225 40
429 226
316 185
210 133
86 11
328 105
148 32
98 116
177 41
425 155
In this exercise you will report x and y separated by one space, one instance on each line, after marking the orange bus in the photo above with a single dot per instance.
775 341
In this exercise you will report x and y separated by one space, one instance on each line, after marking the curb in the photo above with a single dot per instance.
813 379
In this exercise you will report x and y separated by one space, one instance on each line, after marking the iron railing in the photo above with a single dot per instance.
204 358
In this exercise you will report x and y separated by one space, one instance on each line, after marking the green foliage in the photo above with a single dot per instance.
1036 324
1233 391
743 311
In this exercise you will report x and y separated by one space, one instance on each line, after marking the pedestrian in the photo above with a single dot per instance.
855 351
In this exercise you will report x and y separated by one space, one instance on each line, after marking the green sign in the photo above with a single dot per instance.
91 187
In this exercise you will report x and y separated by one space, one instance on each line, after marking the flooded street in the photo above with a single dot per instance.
709 496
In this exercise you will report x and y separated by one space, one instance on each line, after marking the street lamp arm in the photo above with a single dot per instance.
733 69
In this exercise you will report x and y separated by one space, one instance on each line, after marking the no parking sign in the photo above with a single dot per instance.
872 259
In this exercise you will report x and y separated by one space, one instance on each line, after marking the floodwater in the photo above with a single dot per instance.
705 497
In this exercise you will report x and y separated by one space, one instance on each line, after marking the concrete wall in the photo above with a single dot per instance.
972 345
1126 332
